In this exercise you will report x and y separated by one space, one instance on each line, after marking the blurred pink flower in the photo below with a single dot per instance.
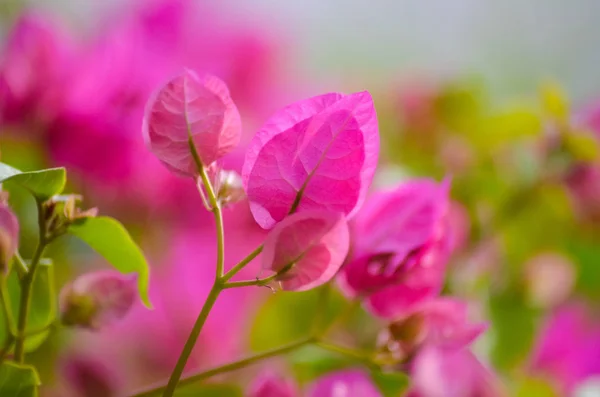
34 67
95 300
269 384
441 323
583 179
308 248
318 153
196 107
86 377
401 247
550 278
438 372
568 348
345 383
92 93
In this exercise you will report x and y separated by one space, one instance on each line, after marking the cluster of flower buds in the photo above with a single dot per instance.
61 211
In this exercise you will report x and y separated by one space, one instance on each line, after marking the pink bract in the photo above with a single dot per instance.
346 383
307 248
451 373
319 153
568 349
9 236
447 324
401 247
196 107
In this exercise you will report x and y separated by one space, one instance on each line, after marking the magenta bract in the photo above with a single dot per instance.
196 107
319 153
446 324
401 247
307 249
346 383
568 347
9 236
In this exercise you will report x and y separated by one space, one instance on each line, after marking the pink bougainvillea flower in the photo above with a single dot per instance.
196 107
568 350
306 249
270 384
95 300
36 61
319 153
9 236
440 372
401 247
441 323
87 377
549 278
346 383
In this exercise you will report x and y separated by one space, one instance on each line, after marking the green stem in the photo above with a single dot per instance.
218 214
362 357
229 367
21 265
259 282
191 342
241 264
26 285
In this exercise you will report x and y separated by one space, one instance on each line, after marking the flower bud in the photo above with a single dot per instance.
230 188
9 236
88 377
96 300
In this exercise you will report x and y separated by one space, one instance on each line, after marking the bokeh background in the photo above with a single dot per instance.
501 96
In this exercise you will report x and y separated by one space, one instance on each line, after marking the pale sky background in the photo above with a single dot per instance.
511 44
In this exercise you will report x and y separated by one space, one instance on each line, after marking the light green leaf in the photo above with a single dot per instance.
110 239
582 145
391 384
535 387
42 311
18 380
43 184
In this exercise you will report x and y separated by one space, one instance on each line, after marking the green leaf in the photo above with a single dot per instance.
43 184
110 239
42 311
311 362
391 384
534 387
18 380
582 145
288 316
